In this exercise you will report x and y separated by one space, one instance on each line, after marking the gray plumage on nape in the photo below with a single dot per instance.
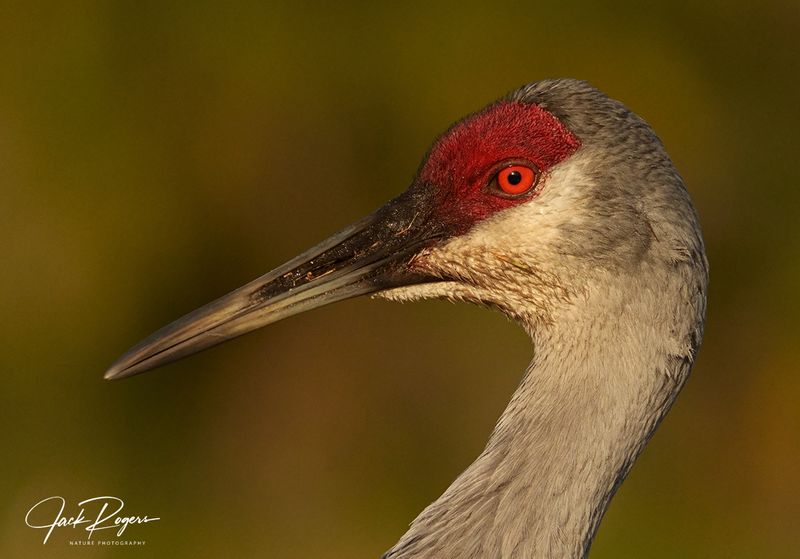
560 207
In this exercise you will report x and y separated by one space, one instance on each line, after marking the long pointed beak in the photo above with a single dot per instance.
371 255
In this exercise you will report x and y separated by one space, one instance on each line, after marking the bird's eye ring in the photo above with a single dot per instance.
516 180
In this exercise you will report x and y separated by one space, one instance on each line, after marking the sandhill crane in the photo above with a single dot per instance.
560 207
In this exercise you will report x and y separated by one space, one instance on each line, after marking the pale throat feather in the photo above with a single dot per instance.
563 445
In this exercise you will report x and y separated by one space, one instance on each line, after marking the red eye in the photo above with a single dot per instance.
516 179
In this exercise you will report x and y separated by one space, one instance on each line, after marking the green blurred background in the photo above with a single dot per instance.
155 156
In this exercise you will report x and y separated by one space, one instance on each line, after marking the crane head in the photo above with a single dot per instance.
516 206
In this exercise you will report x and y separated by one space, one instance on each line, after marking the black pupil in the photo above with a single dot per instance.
514 178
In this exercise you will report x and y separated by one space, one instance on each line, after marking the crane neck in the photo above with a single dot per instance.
596 389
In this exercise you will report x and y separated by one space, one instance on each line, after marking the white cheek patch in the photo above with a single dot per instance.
508 260
530 228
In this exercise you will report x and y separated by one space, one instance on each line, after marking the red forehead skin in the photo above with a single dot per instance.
465 158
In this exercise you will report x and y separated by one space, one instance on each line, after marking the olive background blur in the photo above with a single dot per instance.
154 157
